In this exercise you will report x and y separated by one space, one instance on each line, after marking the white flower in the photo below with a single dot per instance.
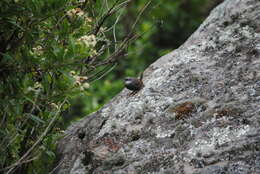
79 80
38 50
71 12
72 72
54 106
85 85
81 1
76 11
89 41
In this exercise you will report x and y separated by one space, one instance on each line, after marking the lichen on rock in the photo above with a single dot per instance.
198 112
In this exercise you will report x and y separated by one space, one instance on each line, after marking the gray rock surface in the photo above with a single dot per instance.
199 111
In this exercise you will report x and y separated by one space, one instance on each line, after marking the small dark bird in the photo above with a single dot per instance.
134 84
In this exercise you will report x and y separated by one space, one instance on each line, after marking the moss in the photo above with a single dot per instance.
135 135
113 125
88 156
115 160
226 23
81 134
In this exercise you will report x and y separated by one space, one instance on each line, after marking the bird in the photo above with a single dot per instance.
134 84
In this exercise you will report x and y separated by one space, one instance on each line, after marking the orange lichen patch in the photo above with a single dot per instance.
110 142
112 145
183 110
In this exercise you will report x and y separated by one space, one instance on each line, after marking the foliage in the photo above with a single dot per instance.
50 51
163 27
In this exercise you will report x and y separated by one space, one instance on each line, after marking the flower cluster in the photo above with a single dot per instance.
36 88
38 50
75 12
88 40
80 81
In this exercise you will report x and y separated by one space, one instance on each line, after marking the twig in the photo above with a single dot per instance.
129 37
104 73
141 12
114 28
104 18
53 170
23 162
121 5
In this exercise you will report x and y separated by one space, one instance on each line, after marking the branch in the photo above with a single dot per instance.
110 12
101 73
125 42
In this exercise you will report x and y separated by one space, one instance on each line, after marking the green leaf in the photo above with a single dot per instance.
16 24
50 153
35 118
6 58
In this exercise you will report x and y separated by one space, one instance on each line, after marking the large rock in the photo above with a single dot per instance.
199 111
